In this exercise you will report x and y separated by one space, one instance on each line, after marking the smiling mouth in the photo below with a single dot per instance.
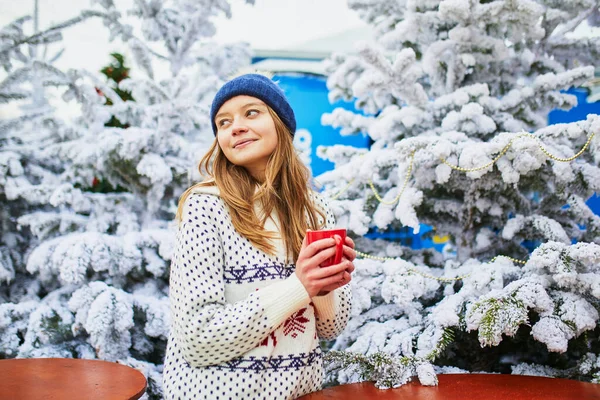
244 143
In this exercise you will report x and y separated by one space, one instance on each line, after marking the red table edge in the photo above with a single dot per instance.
135 396
442 377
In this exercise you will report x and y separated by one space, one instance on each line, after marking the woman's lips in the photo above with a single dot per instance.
244 144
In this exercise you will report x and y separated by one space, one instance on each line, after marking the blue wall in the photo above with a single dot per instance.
308 97
578 113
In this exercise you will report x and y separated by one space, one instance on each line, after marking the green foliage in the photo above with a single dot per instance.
117 71
55 329
508 313
385 370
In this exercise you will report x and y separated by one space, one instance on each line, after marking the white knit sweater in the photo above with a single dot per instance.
243 325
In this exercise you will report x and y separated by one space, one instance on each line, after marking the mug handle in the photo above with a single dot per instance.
339 251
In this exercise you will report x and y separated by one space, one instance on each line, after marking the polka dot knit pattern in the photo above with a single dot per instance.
243 325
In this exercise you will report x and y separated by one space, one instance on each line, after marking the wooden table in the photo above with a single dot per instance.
67 378
470 387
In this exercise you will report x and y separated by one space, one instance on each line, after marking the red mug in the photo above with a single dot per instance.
313 236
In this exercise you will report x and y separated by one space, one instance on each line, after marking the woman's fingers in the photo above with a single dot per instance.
322 280
322 256
349 242
340 278
349 253
308 263
350 269
346 278
317 246
331 270
335 281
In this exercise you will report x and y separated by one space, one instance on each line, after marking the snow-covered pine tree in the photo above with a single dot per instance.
455 95
85 274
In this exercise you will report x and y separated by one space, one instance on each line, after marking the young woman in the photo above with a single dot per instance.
248 298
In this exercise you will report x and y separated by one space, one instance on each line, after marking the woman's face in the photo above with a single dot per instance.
246 133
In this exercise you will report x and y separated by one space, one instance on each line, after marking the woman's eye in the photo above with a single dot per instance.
222 122
250 113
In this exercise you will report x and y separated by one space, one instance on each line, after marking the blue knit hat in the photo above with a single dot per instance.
258 86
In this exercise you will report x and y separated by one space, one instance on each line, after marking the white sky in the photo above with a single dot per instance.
269 24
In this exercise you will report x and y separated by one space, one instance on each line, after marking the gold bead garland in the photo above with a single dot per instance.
377 195
510 258
505 149
335 197
503 152
429 276
457 168
461 169
570 158
408 173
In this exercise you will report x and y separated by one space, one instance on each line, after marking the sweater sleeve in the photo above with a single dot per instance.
332 310
209 330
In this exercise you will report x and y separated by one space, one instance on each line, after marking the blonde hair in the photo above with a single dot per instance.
285 190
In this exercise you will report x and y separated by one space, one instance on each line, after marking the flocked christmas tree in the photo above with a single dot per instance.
116 72
84 273
455 96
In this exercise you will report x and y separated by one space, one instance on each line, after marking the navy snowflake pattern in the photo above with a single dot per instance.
243 325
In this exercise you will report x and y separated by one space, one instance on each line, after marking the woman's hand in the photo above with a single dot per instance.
317 280
349 255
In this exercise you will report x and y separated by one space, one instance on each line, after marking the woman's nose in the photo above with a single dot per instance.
238 127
